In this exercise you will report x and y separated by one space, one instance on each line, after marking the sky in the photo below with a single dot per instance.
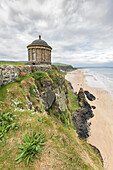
79 31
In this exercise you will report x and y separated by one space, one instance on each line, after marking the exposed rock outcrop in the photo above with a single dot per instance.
9 73
51 95
93 107
82 115
90 96
48 99
60 100
71 87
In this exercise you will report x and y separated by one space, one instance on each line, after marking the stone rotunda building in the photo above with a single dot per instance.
39 52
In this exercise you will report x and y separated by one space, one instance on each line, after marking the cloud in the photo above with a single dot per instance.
80 32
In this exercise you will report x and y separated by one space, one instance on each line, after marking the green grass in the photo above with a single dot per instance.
55 76
36 76
53 73
32 145
32 91
39 75
60 64
12 63
12 95
73 100
6 123
3 90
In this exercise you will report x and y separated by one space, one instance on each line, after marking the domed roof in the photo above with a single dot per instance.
39 42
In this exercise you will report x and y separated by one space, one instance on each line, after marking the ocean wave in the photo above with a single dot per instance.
100 78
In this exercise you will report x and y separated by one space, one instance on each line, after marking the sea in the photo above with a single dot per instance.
100 78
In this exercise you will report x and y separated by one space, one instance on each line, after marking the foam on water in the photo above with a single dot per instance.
100 78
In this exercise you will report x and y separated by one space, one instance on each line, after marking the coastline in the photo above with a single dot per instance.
101 129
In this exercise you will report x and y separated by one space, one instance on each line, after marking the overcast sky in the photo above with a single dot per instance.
79 31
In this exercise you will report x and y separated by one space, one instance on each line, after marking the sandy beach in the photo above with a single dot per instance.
101 133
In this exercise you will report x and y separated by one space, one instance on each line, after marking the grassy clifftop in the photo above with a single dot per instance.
61 64
34 108
64 67
11 63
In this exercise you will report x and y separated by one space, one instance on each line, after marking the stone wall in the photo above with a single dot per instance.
9 73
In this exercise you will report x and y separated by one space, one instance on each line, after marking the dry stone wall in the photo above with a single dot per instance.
9 73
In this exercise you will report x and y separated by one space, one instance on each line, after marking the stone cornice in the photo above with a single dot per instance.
39 46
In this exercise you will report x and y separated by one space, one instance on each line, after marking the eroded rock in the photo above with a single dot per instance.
93 107
90 96
61 100
48 99
82 115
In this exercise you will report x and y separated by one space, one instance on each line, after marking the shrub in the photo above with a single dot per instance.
53 73
32 91
6 123
38 75
57 114
57 80
31 146
19 79
22 74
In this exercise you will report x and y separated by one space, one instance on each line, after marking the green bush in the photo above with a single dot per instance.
32 91
38 75
6 123
53 72
31 146
57 80
19 79
57 114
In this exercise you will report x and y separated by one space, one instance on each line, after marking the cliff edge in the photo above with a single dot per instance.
39 124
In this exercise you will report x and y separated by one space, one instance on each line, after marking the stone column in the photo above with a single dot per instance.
31 56
44 55
38 55
28 54
50 57
47 56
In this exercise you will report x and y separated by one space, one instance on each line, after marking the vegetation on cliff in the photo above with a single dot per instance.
42 134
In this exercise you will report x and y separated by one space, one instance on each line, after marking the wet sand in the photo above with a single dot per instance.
101 129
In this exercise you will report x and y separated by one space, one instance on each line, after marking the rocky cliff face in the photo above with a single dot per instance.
9 73
39 92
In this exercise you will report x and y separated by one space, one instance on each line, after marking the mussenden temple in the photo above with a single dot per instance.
39 52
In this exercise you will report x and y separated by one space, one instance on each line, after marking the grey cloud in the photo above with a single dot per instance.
79 31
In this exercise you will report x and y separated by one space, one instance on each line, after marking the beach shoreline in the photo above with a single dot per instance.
101 129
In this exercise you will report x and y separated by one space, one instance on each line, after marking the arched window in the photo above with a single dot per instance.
34 56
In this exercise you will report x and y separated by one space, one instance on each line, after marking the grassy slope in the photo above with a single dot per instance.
65 151
73 101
